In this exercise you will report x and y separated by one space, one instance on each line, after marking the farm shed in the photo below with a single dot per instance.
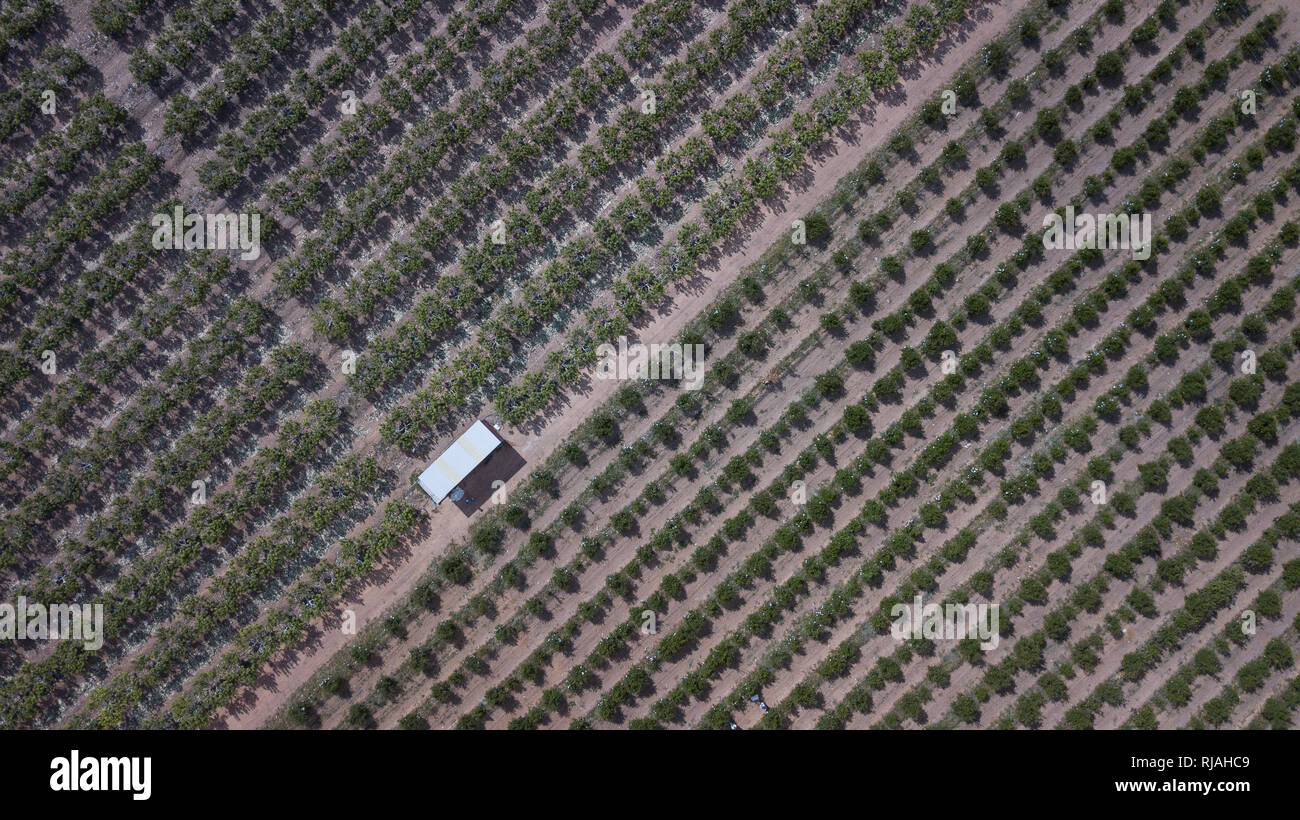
455 464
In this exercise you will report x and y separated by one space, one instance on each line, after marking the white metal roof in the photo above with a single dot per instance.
458 460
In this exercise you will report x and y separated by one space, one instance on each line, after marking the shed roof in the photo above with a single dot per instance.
458 461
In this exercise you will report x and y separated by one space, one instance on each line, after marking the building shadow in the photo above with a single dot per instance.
503 463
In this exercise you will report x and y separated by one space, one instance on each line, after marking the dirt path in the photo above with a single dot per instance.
369 440
703 647
841 158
